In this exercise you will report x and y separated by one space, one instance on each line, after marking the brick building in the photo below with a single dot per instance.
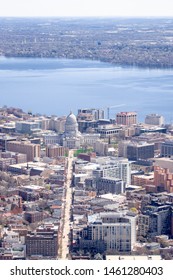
31 150
163 178
44 241
126 118
54 151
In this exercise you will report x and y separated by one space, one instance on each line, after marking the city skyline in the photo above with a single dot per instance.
89 8
96 185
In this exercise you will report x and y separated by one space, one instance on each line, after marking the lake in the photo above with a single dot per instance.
56 86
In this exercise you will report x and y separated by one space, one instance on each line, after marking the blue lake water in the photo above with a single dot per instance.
56 86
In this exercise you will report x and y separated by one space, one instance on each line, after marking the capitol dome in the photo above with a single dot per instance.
71 126
71 119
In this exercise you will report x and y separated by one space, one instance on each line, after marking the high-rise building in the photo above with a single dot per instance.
92 114
126 118
114 168
117 230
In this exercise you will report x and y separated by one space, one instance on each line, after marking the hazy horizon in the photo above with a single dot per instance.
86 8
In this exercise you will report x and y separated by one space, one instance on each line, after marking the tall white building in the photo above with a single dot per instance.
114 168
117 230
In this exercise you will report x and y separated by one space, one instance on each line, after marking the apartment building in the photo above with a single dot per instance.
31 150
126 118
114 168
43 241
117 230
54 151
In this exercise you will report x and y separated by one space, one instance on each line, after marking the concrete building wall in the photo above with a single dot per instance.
154 119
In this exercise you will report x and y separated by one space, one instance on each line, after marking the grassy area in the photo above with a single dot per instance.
77 152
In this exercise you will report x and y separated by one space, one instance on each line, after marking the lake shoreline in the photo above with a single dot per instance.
125 65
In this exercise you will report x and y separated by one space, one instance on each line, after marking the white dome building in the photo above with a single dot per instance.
71 126
72 136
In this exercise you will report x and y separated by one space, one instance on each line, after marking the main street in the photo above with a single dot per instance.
64 231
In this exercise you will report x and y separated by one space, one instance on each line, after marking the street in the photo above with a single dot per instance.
64 231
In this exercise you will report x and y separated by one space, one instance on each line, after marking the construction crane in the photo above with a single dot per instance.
111 107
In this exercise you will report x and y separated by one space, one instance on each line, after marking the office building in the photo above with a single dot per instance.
154 119
5 162
110 185
138 151
167 149
27 127
108 130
